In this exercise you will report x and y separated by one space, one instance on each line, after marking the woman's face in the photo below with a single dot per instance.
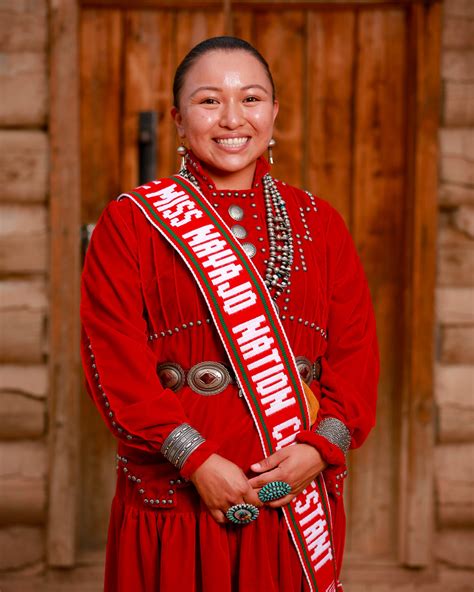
226 113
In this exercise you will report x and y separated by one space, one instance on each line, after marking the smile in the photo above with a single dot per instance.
232 141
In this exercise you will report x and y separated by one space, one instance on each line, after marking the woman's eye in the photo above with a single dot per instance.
209 101
252 99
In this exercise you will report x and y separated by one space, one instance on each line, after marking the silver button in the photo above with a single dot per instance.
236 212
250 249
238 231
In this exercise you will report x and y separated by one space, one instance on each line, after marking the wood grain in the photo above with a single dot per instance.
331 66
64 275
377 227
101 91
289 126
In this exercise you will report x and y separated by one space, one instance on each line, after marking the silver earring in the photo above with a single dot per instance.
182 150
271 143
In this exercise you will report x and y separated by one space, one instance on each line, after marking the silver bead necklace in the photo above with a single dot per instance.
281 251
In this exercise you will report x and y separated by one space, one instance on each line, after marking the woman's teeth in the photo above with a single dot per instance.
232 141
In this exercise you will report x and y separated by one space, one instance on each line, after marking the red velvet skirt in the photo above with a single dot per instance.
181 548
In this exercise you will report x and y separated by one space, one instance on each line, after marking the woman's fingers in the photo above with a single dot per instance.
282 501
219 516
261 480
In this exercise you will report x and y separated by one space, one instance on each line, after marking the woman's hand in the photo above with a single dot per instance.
297 465
221 484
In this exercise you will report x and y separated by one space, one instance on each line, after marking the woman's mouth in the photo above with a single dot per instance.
232 142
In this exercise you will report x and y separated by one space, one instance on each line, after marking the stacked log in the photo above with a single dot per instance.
24 151
454 376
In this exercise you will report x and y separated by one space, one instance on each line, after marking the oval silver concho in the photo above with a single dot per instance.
208 378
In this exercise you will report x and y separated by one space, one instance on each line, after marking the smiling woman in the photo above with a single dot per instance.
243 315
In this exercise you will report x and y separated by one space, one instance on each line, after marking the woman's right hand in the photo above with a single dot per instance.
221 484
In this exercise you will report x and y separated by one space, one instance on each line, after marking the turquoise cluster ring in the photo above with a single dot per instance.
242 513
273 491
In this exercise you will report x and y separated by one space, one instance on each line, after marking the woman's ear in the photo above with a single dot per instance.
276 107
178 121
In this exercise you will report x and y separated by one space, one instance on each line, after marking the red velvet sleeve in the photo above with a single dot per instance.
119 366
350 366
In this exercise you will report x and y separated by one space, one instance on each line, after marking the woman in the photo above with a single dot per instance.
191 462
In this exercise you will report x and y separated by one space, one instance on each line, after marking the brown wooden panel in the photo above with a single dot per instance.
331 66
267 4
194 26
148 71
378 229
290 33
416 467
101 80
63 322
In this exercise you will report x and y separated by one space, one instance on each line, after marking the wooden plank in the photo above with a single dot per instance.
454 548
101 80
64 270
23 471
455 306
195 26
237 4
454 482
416 463
378 231
31 380
24 239
24 82
21 546
329 122
289 126
21 416
147 86
457 345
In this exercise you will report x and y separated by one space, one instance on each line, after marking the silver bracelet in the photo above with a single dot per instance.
180 443
336 432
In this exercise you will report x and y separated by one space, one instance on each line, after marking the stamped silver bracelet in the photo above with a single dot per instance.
180 443
336 432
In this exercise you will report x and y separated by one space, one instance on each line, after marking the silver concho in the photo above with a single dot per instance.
238 231
236 212
305 368
208 378
250 249
171 375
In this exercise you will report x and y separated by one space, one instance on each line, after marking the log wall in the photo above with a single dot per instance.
454 370
24 148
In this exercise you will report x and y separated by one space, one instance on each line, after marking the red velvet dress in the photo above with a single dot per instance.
140 307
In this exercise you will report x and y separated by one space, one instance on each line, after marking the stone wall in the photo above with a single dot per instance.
23 282
454 378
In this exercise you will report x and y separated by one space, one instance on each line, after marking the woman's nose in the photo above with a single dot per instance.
232 115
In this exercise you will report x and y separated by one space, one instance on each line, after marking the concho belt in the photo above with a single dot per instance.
211 378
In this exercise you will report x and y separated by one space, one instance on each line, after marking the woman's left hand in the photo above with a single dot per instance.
297 465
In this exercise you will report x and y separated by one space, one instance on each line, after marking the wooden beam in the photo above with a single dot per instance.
248 4
64 359
417 438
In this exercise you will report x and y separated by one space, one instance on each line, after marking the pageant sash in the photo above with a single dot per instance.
255 341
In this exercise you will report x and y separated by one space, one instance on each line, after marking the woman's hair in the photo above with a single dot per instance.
225 43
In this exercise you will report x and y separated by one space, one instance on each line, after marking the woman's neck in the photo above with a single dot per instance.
242 179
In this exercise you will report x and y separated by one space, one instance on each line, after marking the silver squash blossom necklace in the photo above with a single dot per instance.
280 260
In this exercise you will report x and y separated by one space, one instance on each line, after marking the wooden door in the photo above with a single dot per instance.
355 127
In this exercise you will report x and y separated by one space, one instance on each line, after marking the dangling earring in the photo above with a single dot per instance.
271 143
182 150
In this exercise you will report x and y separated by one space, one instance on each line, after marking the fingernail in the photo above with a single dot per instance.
255 466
